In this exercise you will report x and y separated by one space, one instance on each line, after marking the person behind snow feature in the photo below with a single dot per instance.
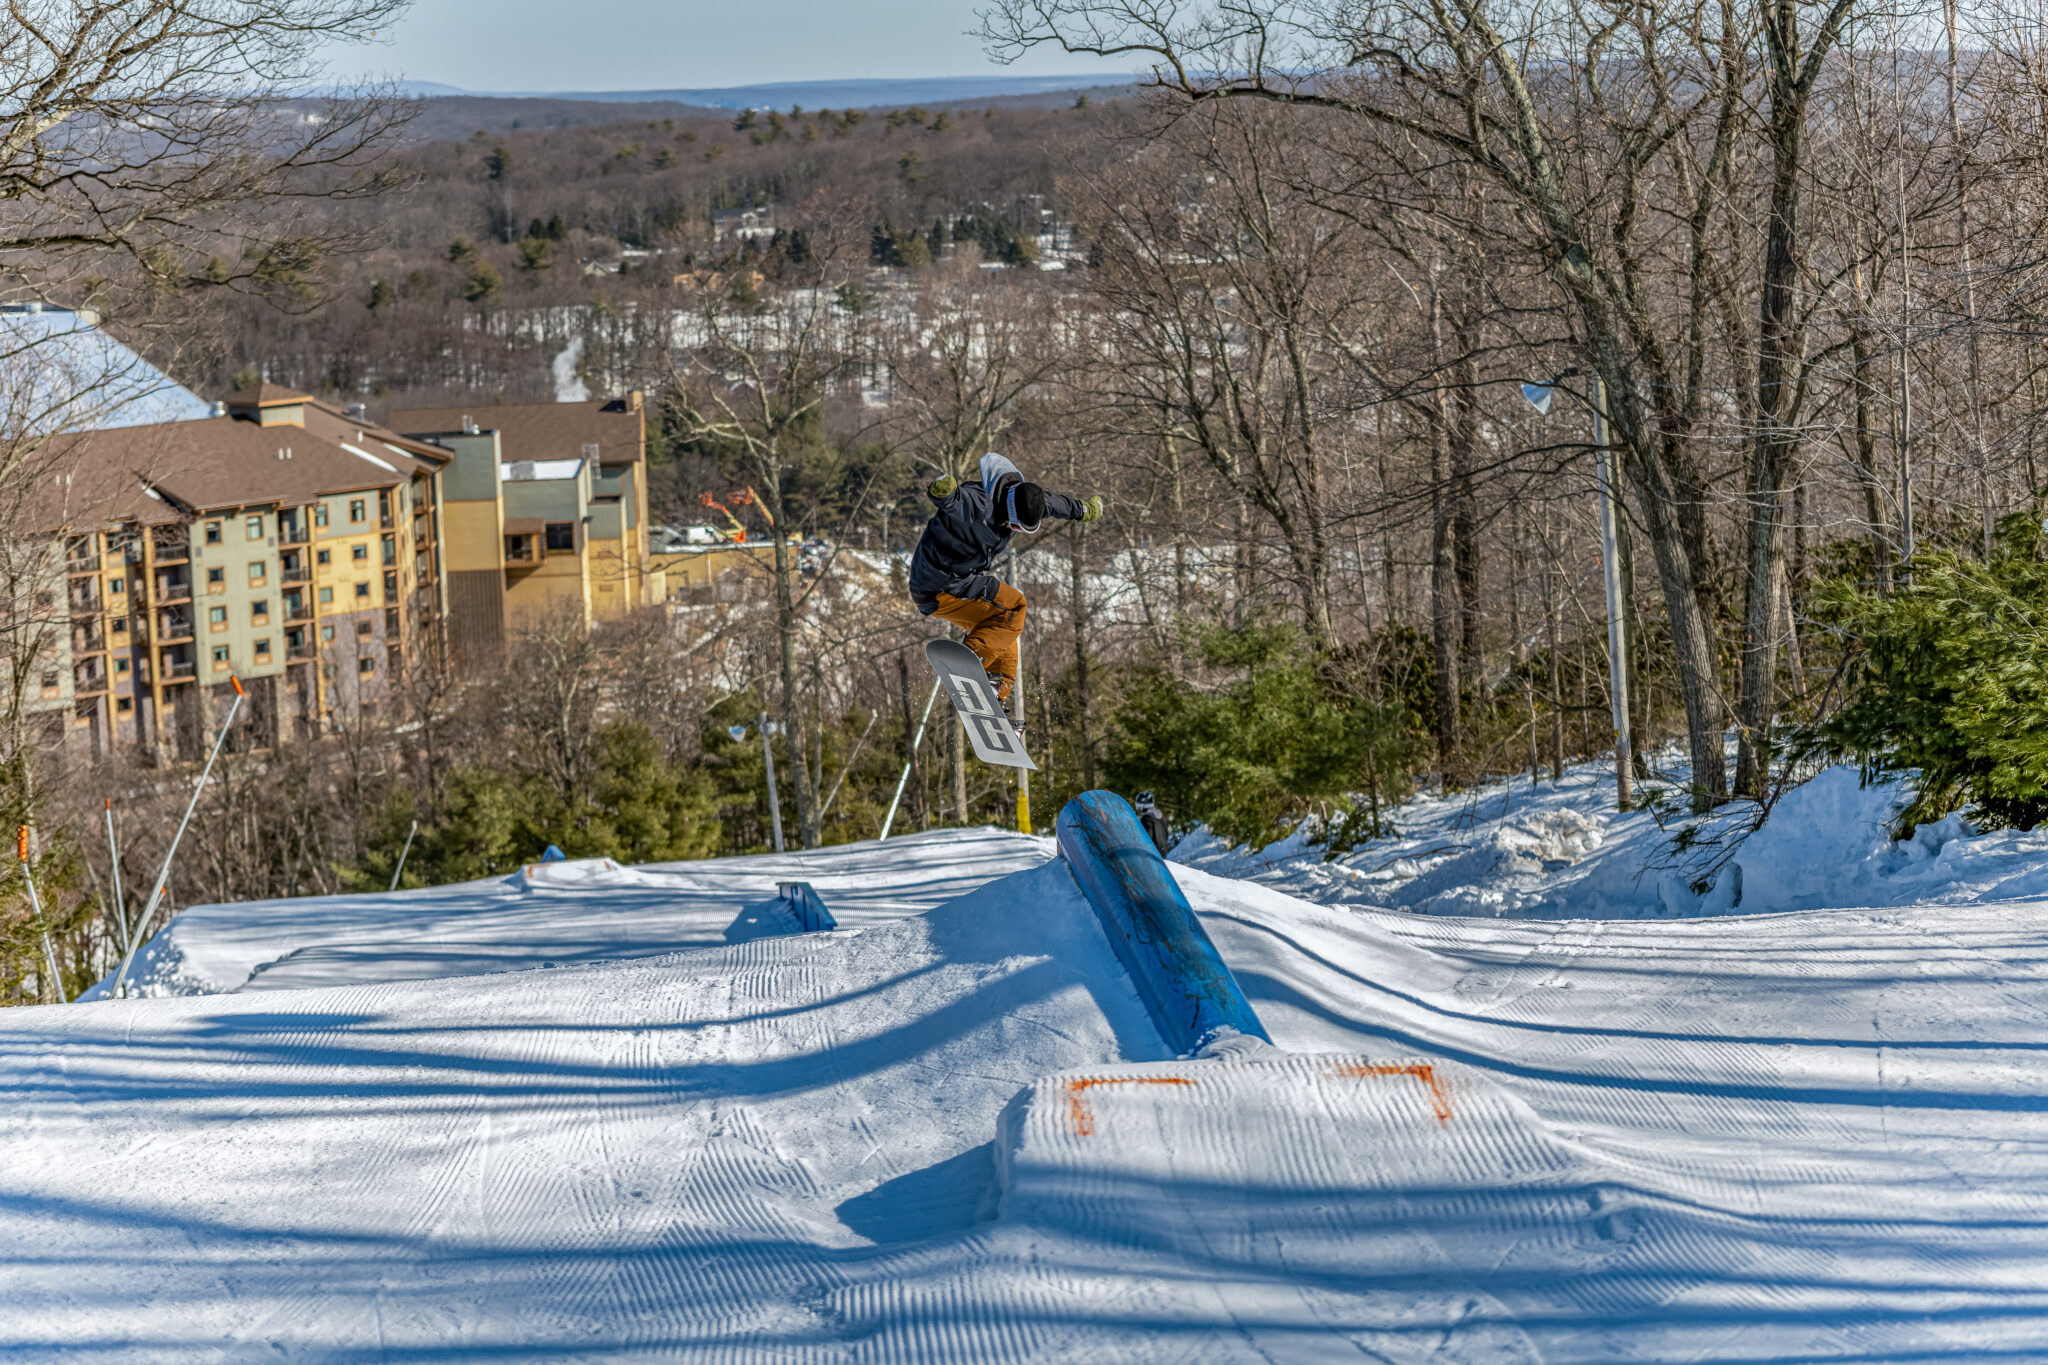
949 573
1154 823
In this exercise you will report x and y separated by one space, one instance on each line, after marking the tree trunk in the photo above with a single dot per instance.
1443 607
1863 356
959 757
1078 596
792 697
1464 436
1781 339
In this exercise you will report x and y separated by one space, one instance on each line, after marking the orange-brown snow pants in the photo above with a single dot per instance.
992 630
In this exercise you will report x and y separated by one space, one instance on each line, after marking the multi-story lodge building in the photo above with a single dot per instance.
320 557
544 508
280 541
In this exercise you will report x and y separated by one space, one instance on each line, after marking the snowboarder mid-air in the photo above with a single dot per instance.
1154 823
949 574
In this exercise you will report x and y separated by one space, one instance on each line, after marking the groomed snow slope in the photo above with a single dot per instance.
954 1136
556 914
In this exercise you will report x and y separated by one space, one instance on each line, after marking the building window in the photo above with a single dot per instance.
120 625
325 556
256 570
363 629
366 664
360 553
319 514
117 584
220 657
124 706
219 576
259 610
50 683
213 533
326 596
362 592
252 527
120 665
561 537
391 622
263 651
327 632
218 616
356 510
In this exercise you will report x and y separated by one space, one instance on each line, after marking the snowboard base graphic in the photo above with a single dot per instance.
995 740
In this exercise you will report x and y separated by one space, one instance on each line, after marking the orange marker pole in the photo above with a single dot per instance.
163 875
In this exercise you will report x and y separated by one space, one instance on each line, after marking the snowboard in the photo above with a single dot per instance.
973 696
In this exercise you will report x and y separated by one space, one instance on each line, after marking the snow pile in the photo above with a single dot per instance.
1560 851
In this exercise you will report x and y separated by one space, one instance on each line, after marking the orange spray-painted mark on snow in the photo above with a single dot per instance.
1083 1118
1438 1101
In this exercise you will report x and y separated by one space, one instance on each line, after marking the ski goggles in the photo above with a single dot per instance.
1010 514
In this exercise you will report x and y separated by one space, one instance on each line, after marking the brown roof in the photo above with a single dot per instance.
158 471
265 395
540 431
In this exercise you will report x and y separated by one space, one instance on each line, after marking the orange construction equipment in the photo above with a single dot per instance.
739 532
747 497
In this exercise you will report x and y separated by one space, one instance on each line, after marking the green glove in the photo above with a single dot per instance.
941 489
1091 510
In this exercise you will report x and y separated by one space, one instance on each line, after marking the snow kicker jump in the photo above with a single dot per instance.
995 740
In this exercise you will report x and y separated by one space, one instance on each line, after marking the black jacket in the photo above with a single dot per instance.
966 534
1155 825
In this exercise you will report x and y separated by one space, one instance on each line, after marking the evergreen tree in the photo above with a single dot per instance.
1951 681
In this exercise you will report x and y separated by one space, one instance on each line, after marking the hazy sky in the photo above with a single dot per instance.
665 44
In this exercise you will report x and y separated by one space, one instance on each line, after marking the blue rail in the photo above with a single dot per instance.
1190 993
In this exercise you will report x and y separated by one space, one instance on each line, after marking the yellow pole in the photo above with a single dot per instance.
1017 692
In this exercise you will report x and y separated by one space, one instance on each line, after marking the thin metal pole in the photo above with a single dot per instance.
120 902
895 800
163 875
399 871
774 802
36 904
1017 708
1617 643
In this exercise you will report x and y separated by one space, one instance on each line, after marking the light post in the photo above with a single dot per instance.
1539 397
766 727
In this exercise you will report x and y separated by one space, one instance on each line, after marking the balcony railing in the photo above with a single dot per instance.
174 625
172 588
295 573
298 653
85 596
293 533
177 670
89 679
171 546
298 611
86 638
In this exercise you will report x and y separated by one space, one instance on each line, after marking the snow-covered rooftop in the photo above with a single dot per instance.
63 373
523 471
